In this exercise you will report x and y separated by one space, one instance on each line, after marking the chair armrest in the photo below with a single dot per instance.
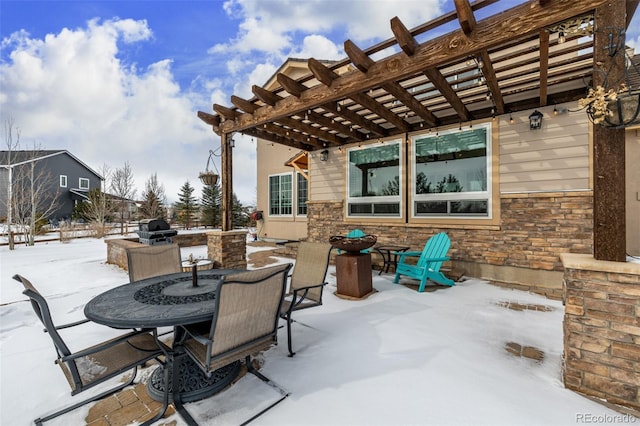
437 259
198 332
71 324
104 345
299 298
406 253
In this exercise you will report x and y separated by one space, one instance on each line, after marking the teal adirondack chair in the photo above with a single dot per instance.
356 233
429 263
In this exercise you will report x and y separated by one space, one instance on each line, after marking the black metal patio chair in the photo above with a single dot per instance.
307 282
245 323
89 367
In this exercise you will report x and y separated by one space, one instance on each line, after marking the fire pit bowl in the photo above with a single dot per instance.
352 245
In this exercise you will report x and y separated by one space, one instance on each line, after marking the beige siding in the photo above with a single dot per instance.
272 160
328 179
555 157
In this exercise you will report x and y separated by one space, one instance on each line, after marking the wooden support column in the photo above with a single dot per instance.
609 215
227 182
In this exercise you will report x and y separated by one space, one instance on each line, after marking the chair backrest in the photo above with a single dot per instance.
41 308
312 262
435 247
152 261
247 308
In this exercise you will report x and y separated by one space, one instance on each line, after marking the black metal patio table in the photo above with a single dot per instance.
389 256
168 301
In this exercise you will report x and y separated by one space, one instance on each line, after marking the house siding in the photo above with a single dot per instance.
553 158
51 167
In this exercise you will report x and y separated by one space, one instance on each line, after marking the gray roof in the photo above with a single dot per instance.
21 157
25 156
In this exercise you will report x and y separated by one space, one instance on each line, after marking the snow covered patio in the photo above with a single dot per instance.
398 357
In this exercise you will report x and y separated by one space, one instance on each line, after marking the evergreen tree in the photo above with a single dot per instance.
153 200
187 206
211 213
241 215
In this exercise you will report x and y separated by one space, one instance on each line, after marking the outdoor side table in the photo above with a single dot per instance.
388 257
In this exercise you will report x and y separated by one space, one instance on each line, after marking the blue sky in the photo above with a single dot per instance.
116 81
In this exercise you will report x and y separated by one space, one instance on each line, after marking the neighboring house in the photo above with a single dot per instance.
61 173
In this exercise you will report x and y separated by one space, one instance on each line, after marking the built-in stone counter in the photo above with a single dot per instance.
602 329
116 247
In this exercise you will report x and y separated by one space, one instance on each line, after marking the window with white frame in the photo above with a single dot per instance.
452 173
83 183
63 181
373 179
281 195
302 192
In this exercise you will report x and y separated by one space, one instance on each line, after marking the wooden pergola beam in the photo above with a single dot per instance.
266 96
268 134
544 66
492 82
406 41
210 119
290 85
465 16
243 104
227 113
443 86
609 195
519 21
327 76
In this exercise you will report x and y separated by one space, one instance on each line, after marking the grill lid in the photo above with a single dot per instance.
153 225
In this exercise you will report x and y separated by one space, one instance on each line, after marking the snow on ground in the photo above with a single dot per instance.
396 358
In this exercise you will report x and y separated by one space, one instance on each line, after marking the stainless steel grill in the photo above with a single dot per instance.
155 231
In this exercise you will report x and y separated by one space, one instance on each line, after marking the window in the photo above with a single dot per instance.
303 194
84 183
63 181
280 195
373 179
452 173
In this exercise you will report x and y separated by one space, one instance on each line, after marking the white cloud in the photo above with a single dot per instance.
72 91
318 46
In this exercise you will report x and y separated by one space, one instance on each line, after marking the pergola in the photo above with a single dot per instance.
532 55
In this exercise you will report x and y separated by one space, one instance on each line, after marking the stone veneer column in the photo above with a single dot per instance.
602 329
227 249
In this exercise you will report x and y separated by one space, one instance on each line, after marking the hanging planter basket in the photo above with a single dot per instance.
208 178
621 111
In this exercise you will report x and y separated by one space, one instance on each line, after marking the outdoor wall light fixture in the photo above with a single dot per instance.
535 120
324 155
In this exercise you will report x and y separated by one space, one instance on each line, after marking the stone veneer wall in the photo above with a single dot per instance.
116 247
602 329
227 249
535 228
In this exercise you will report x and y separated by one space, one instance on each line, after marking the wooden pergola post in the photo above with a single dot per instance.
227 182
609 224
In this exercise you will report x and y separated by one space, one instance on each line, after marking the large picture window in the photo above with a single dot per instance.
374 184
452 173
281 195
